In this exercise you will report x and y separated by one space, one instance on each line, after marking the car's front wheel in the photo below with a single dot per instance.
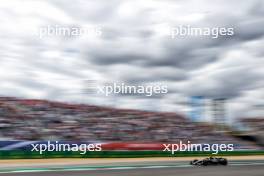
223 162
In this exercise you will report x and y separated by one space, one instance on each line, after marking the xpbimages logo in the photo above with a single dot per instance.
125 89
62 147
214 148
213 32
68 31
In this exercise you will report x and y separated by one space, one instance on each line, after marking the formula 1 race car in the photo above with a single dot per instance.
210 161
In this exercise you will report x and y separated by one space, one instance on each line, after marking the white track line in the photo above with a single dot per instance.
116 168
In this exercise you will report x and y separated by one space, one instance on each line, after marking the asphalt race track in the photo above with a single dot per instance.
205 171
235 168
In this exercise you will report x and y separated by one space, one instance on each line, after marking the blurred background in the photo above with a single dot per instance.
49 50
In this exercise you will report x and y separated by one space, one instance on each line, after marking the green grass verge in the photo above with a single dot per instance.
116 154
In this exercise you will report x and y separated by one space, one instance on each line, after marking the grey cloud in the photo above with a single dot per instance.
134 50
225 84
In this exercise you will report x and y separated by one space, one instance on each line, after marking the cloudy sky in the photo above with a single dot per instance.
134 47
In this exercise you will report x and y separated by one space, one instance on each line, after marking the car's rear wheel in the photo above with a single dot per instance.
193 162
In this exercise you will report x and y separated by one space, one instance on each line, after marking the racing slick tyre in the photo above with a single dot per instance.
192 162
223 161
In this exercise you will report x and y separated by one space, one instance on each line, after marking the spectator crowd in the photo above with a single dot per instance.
22 119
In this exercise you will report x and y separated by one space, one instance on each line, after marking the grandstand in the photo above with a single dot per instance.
254 129
24 119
